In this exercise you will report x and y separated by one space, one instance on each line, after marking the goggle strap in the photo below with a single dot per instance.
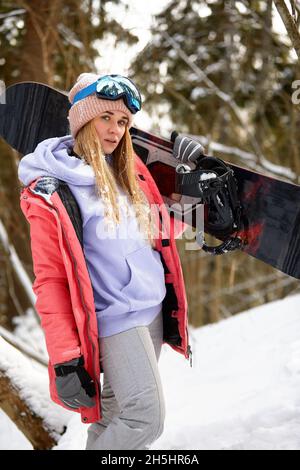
85 92
90 89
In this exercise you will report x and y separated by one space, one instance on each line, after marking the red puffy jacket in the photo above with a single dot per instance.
65 301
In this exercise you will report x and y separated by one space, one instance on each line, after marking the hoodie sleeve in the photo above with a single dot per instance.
51 286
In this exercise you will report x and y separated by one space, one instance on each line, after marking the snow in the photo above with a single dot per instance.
27 331
11 438
241 393
243 390
70 37
207 176
12 13
199 92
31 379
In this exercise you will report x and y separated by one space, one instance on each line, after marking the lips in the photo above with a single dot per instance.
111 141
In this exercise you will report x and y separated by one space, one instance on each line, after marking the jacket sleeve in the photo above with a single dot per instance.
51 287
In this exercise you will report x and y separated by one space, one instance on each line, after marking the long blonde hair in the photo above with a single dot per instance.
122 172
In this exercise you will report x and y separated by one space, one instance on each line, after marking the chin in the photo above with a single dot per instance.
109 149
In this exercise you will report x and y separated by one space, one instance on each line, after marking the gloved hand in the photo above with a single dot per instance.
186 149
74 385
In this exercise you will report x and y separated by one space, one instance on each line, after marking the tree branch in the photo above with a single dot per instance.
24 397
289 24
31 425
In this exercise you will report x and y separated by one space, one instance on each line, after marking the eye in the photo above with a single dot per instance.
104 117
123 123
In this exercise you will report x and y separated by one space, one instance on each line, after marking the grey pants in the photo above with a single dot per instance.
132 399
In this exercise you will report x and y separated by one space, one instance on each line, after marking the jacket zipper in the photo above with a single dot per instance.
83 304
190 354
189 351
77 280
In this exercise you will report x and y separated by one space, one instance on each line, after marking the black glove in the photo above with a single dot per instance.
74 385
186 149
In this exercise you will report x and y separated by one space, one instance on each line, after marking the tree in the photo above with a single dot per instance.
291 21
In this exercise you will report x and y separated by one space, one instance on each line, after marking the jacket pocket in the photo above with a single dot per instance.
146 286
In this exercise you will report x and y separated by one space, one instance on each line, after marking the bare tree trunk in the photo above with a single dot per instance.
40 41
263 77
295 123
223 120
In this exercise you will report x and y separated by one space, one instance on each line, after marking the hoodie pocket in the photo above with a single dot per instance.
146 287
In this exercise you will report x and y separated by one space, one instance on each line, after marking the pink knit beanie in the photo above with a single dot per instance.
91 106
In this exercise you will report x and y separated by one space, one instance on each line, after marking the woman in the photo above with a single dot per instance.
108 278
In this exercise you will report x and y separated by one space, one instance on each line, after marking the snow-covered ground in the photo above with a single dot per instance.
243 391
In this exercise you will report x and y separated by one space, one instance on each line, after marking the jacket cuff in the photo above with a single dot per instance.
78 361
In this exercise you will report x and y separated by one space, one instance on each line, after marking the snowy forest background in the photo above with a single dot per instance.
218 69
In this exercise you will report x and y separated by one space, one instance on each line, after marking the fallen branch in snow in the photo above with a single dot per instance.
22 347
16 408
25 398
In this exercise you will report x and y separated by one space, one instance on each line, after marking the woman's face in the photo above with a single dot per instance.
110 127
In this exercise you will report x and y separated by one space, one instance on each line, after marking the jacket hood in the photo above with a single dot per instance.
52 157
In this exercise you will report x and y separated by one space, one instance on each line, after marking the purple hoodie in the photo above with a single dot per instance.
126 273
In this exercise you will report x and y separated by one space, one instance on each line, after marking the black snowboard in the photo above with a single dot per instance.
270 207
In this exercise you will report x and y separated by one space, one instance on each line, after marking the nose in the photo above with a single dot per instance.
113 128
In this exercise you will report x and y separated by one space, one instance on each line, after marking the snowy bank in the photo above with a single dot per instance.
243 391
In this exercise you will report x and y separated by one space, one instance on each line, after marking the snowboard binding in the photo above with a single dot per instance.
214 183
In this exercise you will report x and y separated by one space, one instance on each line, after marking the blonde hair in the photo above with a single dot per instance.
88 147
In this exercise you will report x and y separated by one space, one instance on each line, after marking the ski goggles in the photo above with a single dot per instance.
113 87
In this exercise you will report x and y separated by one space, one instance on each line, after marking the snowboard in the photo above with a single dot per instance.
270 208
